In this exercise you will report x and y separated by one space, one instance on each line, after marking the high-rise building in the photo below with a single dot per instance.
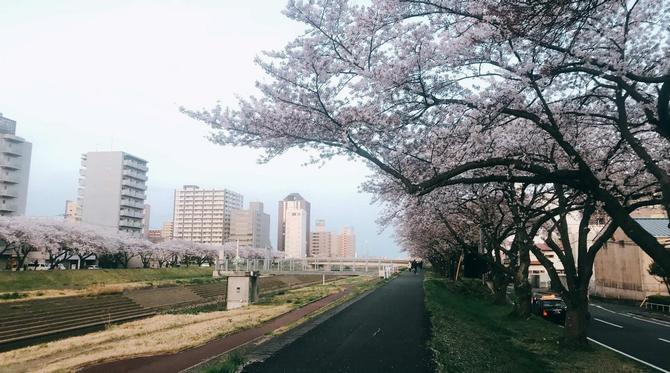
166 230
72 213
348 243
203 215
250 227
112 190
293 226
145 222
14 169
321 241
343 245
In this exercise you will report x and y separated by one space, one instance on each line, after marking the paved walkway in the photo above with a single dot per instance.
386 331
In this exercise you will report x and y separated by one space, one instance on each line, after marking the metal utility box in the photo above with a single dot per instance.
242 290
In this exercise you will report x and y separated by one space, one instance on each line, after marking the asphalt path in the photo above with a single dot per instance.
641 338
386 331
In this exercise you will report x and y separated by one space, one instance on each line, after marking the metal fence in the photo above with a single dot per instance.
656 307
343 266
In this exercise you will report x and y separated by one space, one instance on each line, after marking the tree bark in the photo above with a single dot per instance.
577 320
647 242
499 287
522 288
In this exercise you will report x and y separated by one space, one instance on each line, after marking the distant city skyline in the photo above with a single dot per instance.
86 84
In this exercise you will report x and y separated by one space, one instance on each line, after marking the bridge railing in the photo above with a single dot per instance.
309 265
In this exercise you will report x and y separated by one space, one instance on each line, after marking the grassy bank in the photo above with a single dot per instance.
162 334
78 279
470 334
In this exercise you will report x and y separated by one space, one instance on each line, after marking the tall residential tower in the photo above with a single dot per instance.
14 169
203 215
112 190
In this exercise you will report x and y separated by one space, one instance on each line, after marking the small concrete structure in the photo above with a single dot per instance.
386 271
242 289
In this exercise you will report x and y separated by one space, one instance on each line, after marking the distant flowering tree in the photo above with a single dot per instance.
435 93
61 241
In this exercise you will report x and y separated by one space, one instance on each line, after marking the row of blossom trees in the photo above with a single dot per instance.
59 241
507 116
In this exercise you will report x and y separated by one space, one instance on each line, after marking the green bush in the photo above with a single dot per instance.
13 295
659 299
230 365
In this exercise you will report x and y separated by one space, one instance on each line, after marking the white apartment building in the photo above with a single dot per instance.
203 215
72 213
320 244
14 169
293 226
250 227
113 190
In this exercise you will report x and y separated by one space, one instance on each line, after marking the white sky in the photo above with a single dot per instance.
86 75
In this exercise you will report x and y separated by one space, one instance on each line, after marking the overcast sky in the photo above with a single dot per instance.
88 75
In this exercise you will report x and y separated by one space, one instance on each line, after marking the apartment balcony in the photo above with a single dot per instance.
9 193
131 213
135 175
133 193
135 165
124 223
133 184
12 150
127 202
9 179
10 162
8 206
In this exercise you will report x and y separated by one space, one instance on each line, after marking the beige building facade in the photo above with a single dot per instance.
347 243
203 215
250 227
621 268
166 230
72 213
321 241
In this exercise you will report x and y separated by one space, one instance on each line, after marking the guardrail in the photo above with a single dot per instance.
657 307
305 266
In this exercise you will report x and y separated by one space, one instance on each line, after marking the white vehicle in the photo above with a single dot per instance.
38 267
94 266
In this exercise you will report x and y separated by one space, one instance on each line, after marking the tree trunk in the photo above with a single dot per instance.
577 321
522 288
647 242
499 288
522 292
21 254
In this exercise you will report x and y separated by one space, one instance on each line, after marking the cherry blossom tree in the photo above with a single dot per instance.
431 91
